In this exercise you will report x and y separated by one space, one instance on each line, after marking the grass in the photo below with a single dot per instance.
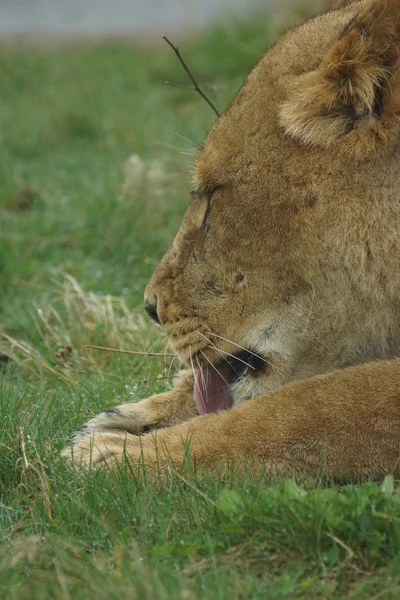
95 161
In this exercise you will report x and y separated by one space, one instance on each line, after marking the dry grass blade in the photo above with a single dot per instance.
30 359
75 321
34 472
144 353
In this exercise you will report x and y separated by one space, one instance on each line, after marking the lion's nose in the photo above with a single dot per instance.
151 309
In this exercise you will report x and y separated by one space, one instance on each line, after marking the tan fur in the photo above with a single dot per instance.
290 247
303 428
338 97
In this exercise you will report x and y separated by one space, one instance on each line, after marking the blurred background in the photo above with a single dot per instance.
121 17
116 16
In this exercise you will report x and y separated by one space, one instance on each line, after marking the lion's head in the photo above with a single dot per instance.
287 260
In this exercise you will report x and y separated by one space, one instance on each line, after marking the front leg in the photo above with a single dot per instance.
162 410
346 423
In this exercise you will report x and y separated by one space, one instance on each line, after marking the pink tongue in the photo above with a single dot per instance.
211 391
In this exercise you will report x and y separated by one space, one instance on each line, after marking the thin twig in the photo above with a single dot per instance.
192 79
181 87
127 351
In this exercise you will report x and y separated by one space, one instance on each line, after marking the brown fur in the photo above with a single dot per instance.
290 247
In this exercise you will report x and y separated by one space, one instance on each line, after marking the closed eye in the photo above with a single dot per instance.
206 218
204 195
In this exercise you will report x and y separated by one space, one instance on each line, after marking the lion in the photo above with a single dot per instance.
281 291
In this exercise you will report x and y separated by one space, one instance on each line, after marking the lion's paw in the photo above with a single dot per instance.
126 418
101 449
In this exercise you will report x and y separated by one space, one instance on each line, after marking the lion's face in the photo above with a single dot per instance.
285 263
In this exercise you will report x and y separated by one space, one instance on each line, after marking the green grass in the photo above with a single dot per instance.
79 237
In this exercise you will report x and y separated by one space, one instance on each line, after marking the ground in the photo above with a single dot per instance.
95 160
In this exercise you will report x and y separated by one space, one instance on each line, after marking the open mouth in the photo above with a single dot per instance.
213 386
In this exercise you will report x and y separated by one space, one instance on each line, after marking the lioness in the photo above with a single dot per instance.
285 272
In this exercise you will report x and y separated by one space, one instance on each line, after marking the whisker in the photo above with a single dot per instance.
151 347
237 345
235 357
217 349
175 148
215 368
186 139
202 376
250 352
170 367
196 382
136 345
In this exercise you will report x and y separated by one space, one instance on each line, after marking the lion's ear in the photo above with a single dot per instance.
353 98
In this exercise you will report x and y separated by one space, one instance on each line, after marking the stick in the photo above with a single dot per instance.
196 88
127 351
